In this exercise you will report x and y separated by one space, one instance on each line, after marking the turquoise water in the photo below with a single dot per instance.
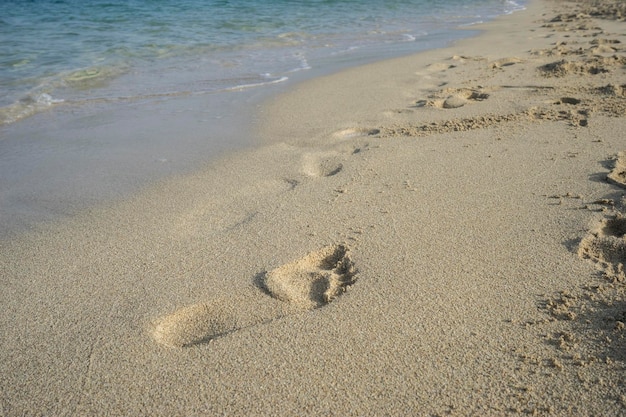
74 52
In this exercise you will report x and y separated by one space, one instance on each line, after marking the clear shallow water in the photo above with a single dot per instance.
73 52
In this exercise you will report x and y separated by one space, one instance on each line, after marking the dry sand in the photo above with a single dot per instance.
431 235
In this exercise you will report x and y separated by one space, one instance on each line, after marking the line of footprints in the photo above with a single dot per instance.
305 284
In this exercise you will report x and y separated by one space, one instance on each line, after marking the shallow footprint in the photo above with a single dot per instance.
320 165
355 132
505 62
439 67
314 280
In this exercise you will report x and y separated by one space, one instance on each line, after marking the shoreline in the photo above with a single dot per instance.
80 154
428 235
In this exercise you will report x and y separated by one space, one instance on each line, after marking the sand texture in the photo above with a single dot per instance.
440 234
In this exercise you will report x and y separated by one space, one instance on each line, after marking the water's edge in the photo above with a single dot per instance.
68 159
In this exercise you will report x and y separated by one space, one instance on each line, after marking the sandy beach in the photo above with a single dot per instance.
439 234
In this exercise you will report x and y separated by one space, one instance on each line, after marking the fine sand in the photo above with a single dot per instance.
439 234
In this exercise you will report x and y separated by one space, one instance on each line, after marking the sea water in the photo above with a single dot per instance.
75 51
99 97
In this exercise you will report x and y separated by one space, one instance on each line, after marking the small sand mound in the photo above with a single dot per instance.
453 102
312 281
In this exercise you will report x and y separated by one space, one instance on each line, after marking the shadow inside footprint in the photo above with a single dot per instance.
312 281
618 173
329 168
607 243
615 227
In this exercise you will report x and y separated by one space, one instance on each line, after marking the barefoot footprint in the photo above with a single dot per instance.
327 164
618 173
607 242
452 98
310 282
314 280
320 165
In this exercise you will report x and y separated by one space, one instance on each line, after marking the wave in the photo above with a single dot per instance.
254 85
34 104
515 6
26 107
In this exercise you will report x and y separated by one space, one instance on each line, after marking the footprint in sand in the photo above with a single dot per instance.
607 242
604 46
355 132
589 66
439 67
327 164
463 58
505 62
320 165
618 173
453 98
313 281
310 282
